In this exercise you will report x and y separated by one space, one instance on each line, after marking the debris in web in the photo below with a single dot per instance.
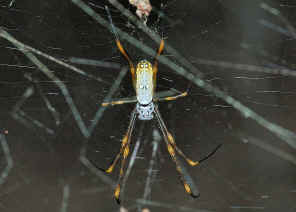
143 8
27 120
284 155
275 27
108 97
66 195
277 13
90 62
237 207
19 115
246 67
56 115
100 174
5 148
50 75
132 161
236 189
23 47
151 173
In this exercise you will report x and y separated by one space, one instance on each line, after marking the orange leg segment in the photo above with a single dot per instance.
124 53
155 66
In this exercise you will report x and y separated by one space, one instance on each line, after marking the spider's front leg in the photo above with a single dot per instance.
155 65
120 47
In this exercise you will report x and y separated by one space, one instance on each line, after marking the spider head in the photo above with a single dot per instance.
145 111
144 65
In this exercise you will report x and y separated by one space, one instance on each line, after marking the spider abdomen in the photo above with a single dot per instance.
144 82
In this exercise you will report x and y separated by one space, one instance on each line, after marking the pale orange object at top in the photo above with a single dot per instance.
143 7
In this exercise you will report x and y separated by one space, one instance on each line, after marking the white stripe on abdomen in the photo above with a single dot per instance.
144 86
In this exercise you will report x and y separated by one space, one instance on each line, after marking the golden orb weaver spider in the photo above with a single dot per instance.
144 83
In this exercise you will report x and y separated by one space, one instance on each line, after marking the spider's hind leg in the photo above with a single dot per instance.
171 139
171 98
172 148
119 45
124 152
120 101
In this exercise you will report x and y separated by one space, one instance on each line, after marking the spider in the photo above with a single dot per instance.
144 83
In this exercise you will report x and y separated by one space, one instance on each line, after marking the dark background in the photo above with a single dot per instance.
242 176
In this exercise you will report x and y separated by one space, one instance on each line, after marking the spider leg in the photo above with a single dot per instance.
159 96
155 65
121 173
124 152
171 139
125 54
159 51
134 99
171 149
120 47
124 142
120 101
171 98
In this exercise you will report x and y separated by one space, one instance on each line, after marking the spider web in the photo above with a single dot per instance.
238 66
